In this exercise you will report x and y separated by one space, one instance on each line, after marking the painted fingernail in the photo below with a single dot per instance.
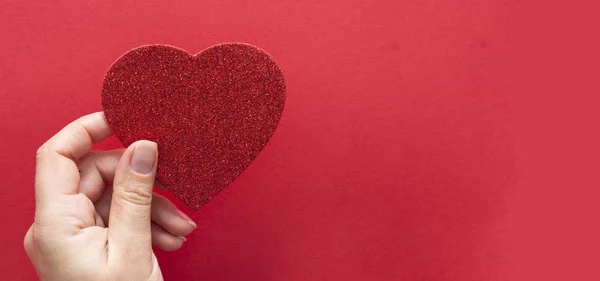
143 157
187 218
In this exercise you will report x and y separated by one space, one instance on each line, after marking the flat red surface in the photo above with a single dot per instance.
421 140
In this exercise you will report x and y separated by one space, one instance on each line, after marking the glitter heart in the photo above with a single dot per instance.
210 114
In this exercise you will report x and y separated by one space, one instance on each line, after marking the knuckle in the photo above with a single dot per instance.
34 241
37 237
27 243
42 151
135 193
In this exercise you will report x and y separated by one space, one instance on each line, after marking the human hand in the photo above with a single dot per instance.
84 231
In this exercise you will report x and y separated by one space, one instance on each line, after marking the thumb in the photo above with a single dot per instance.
129 220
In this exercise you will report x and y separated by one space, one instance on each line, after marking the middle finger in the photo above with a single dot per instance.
164 213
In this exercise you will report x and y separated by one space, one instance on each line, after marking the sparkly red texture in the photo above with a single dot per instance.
210 114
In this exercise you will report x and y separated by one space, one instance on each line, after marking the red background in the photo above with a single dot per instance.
421 140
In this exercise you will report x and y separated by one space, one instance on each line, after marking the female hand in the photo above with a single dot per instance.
84 231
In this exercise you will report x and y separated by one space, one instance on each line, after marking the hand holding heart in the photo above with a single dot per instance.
84 231
210 114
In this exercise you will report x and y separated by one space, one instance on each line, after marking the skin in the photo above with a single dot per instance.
86 231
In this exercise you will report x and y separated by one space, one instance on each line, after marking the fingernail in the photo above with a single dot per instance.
144 155
186 218
183 238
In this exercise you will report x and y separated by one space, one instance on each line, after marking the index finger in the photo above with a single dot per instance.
56 168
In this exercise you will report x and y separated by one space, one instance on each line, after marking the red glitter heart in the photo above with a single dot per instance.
210 114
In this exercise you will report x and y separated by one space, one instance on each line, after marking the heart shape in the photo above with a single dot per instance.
210 114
